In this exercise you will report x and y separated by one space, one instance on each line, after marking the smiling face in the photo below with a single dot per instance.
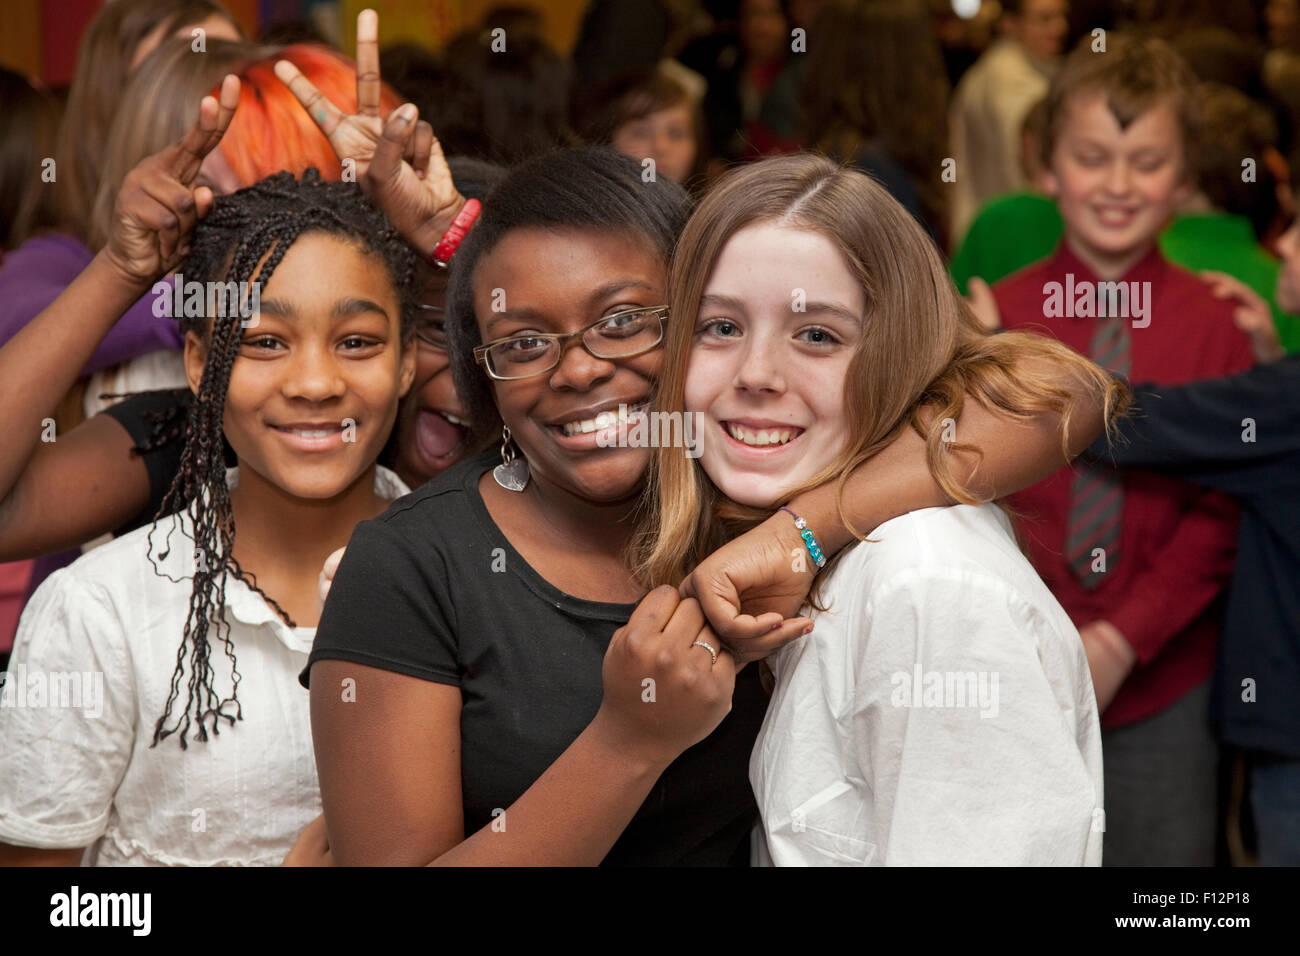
1116 188
769 380
558 281
315 385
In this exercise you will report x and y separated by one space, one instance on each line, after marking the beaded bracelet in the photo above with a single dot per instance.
456 232
809 539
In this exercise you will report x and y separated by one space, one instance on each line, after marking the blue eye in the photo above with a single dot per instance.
723 328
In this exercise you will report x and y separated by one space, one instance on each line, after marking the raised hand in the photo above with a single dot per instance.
158 203
398 161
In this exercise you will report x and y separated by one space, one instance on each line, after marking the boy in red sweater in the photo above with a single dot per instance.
1139 561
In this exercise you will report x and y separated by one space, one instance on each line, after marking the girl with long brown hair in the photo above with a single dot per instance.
941 710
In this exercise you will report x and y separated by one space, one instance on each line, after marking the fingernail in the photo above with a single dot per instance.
775 627
808 629
406 112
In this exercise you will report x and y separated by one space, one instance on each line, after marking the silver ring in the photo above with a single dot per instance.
708 647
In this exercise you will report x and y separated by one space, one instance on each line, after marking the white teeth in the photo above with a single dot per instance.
762 436
605 419
316 433
453 419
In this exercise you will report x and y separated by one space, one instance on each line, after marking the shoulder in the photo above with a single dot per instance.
121 569
445 501
424 532
956 550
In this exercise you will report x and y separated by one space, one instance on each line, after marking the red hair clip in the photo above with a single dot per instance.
456 232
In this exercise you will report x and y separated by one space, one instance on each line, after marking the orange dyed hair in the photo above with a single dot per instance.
271 131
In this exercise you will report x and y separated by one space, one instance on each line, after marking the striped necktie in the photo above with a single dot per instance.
1097 492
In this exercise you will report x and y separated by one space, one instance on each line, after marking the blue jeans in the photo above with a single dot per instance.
1275 799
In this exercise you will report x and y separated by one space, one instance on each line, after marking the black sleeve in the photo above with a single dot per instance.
386 605
144 416
1236 434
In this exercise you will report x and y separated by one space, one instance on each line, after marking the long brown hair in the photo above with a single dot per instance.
103 66
921 349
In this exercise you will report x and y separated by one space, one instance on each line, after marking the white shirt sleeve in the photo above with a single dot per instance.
966 715
67 724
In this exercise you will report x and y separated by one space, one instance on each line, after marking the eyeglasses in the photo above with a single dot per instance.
431 327
621 335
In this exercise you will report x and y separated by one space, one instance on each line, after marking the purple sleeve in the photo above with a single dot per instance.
34 275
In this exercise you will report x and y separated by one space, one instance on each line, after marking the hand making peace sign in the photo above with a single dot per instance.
158 203
398 161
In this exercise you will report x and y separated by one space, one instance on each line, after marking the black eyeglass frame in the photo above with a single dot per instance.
481 351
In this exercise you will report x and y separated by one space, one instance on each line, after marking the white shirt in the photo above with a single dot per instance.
940 713
76 765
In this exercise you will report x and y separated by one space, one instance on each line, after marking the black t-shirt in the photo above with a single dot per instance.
140 415
433 589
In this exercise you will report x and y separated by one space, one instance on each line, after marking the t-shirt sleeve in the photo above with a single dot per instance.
388 606
971 721
139 415
65 745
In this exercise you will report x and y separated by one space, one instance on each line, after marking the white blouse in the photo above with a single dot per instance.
89 676
940 713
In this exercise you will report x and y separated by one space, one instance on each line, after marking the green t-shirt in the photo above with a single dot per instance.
1013 231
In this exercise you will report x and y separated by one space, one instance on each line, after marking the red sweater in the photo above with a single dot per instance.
1177 542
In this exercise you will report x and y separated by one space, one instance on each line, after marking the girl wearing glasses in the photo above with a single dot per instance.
485 687
560 721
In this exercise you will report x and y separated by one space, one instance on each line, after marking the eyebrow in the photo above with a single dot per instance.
343 308
603 292
731 302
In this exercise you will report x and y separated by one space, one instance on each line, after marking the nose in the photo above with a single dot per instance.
1118 178
313 375
579 370
759 369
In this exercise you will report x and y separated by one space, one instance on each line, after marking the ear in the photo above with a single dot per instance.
1049 182
407 370
196 357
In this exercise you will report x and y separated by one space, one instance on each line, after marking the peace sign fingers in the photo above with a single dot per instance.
325 114
215 115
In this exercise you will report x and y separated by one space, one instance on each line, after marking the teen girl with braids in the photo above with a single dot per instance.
201 753
41 510
560 721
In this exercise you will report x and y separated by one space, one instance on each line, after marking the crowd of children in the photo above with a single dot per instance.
330 537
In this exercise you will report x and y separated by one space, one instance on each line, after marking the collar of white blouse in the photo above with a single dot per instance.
242 603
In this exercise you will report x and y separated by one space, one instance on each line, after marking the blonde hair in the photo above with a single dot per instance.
158 107
921 350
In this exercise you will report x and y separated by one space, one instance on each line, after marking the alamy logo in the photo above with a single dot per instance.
102 909
20 687
946 689
637 428
1102 300
213 300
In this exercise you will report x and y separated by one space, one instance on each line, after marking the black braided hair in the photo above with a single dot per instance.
263 220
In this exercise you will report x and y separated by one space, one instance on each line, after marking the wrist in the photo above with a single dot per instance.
114 278
427 237
616 744
1115 643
